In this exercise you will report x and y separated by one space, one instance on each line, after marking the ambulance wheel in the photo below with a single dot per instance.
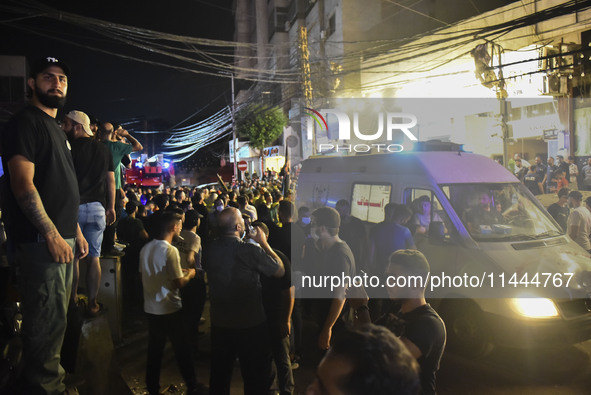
467 332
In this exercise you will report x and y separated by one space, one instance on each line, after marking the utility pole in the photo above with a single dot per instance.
503 111
503 107
234 138
305 75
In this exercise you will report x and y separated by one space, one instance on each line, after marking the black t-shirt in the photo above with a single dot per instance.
565 168
531 181
92 161
272 289
36 136
203 230
129 230
288 239
233 271
550 182
541 171
559 213
426 330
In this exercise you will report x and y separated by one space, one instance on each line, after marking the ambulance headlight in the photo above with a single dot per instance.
535 307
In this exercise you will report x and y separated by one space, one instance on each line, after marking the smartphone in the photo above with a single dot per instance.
250 230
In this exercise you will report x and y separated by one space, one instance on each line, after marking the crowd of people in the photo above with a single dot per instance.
248 247
243 248
552 176
566 180
64 205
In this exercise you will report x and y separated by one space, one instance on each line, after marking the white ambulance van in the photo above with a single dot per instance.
516 308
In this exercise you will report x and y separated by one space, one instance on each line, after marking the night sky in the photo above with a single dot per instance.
112 88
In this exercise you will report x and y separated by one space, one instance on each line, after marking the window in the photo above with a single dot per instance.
369 200
427 210
332 25
501 212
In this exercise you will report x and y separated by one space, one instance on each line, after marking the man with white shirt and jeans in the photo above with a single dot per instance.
162 276
579 221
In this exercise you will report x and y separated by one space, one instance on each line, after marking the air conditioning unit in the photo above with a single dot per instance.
551 63
555 85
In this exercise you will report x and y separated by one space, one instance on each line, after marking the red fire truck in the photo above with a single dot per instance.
149 172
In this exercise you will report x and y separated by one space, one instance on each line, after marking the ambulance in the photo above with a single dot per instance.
518 281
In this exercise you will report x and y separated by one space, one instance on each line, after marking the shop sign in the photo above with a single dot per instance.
551 134
275 150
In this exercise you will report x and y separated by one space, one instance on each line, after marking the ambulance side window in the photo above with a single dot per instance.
426 210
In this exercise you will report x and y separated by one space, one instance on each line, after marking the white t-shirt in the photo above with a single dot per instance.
160 264
581 217
191 242
573 171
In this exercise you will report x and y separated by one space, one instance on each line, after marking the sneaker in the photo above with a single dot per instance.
294 365
119 247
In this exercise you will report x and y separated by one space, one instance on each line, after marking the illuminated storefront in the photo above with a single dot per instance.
516 87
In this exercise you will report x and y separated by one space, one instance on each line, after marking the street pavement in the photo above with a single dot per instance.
503 371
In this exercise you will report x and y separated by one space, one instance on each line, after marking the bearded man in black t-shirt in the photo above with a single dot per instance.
40 200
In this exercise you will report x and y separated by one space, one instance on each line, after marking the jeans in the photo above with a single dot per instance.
45 288
193 296
251 346
280 351
92 221
159 328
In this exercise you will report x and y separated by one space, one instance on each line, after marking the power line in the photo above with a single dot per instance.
418 12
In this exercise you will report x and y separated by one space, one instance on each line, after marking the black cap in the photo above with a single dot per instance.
191 217
42 63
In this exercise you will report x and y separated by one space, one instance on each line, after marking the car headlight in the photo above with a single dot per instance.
535 307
